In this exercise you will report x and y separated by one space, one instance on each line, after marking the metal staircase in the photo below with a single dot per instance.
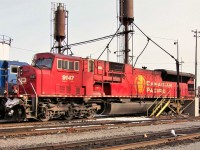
158 107
164 105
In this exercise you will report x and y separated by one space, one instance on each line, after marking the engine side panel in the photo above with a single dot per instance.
82 77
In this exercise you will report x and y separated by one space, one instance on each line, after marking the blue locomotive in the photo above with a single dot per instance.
8 76
8 80
8 73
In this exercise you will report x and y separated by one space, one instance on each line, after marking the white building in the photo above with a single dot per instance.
5 43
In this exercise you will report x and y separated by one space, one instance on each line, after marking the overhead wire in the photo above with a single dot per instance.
155 42
24 49
109 42
141 53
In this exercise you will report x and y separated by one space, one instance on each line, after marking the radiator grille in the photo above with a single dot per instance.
78 91
68 89
62 89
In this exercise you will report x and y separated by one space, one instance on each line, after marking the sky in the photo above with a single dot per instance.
28 23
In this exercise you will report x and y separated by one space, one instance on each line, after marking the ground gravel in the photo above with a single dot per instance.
30 141
190 146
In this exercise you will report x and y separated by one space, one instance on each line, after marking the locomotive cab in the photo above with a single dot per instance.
52 74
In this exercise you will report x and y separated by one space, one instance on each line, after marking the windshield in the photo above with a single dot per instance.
43 63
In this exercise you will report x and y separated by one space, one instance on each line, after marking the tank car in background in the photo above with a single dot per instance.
63 86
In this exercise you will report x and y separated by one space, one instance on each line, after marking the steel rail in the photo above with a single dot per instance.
124 142
41 129
151 143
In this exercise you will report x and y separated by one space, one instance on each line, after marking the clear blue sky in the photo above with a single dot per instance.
28 23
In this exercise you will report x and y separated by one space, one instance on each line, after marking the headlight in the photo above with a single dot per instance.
20 71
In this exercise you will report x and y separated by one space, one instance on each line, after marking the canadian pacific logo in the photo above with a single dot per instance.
140 83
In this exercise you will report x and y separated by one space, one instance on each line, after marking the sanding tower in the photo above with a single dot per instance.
126 18
59 15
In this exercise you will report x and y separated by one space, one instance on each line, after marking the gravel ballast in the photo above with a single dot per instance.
30 141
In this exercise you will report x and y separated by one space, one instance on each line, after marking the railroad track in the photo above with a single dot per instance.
43 128
127 142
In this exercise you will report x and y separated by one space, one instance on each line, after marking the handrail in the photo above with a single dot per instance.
154 103
22 86
36 100
158 105
116 72
187 105
166 104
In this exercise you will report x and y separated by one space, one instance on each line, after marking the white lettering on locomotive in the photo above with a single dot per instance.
22 80
67 78
155 84
143 85
154 90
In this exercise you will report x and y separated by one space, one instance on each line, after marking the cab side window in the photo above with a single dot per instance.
71 65
59 64
13 69
76 65
91 66
67 65
64 65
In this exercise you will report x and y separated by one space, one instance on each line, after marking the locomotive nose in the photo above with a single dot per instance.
26 75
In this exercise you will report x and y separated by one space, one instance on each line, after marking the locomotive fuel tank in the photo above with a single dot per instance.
126 108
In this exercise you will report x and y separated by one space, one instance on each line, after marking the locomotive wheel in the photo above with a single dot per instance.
17 115
45 116
2 112
2 109
69 114
20 114
90 114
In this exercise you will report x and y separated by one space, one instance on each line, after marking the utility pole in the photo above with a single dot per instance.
177 67
196 36
176 43
181 63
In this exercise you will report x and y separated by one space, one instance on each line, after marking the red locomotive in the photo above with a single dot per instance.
64 86
67 86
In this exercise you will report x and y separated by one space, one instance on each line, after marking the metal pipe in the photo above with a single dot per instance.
178 70
126 51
